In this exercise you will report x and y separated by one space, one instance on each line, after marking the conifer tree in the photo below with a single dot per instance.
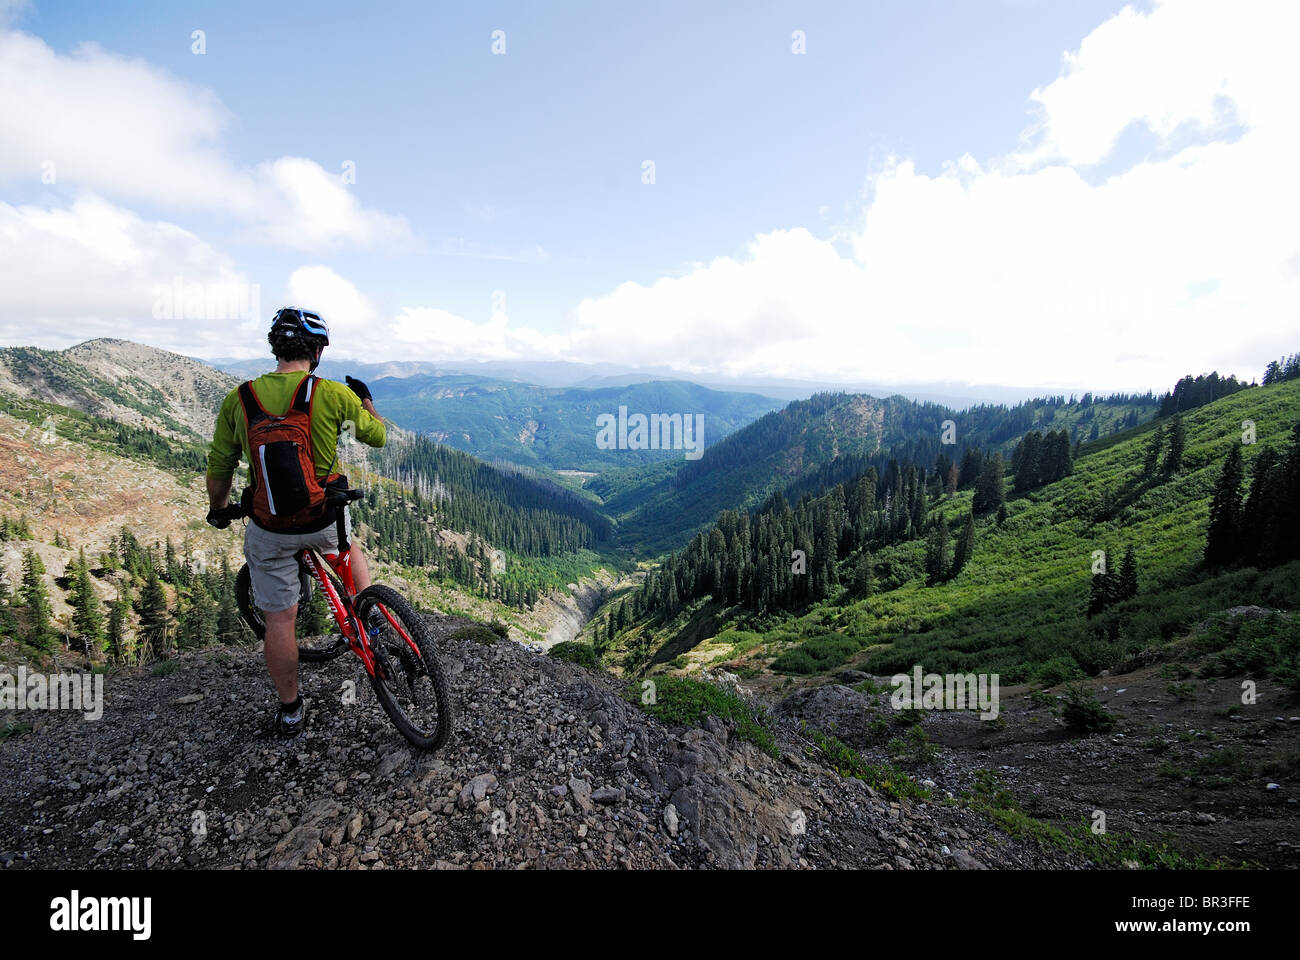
1152 458
936 553
965 545
118 614
8 624
36 599
863 576
154 618
1128 576
88 615
1223 539
1177 439
988 488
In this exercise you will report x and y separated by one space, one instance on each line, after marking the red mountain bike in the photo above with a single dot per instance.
379 625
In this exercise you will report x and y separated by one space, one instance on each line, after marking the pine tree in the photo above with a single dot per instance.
154 618
936 553
118 614
8 624
1177 439
200 626
88 616
228 628
36 599
1258 529
1128 576
1223 541
863 581
1100 593
988 488
1028 461
965 545
1152 458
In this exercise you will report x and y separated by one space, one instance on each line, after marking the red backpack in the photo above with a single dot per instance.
286 493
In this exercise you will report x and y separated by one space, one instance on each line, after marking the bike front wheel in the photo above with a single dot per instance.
408 678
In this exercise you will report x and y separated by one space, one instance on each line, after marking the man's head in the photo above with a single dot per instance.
298 335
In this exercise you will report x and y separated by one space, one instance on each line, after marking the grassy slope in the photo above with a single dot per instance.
1020 600
659 511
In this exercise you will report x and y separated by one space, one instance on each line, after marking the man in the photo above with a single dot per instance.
297 339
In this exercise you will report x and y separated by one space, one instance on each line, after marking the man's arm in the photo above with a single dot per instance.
370 428
223 458
219 491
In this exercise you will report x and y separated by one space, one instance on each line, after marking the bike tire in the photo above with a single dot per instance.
328 647
390 694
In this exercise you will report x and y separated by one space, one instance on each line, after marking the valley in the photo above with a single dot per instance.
769 589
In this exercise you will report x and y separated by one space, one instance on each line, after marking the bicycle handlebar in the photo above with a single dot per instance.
235 510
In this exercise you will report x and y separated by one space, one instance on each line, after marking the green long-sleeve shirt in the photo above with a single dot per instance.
333 405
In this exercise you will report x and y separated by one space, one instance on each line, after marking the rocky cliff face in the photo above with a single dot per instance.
549 767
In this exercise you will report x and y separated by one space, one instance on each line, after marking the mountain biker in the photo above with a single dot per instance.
297 338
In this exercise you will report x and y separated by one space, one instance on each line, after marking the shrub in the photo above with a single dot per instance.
583 654
477 633
683 701
847 762
1057 670
1083 712
915 747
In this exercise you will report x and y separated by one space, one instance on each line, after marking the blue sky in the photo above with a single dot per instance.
522 173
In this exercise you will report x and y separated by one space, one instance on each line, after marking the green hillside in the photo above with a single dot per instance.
813 444
1020 602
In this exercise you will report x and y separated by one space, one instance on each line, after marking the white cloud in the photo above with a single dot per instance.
1022 271
358 328
1185 63
124 129
97 270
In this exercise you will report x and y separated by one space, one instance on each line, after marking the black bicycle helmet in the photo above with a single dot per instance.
296 322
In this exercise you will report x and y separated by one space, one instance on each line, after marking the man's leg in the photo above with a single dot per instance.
360 569
281 651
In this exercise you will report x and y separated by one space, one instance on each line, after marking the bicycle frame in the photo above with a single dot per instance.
341 606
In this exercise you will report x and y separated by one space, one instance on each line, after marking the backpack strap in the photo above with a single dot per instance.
253 412
302 400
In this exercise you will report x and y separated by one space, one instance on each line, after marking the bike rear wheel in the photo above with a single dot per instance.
312 649
410 686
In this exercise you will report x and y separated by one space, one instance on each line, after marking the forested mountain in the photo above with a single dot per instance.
552 427
813 444
1132 544
509 508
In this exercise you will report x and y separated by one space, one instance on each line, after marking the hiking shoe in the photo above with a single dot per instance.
289 724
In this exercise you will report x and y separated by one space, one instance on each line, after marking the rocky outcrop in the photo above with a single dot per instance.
550 766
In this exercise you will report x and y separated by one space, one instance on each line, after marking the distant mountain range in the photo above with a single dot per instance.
562 373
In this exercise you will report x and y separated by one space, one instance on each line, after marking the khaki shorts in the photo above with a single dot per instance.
273 562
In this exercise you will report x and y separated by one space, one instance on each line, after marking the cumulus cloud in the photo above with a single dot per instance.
121 128
97 270
1035 268
362 330
1020 270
